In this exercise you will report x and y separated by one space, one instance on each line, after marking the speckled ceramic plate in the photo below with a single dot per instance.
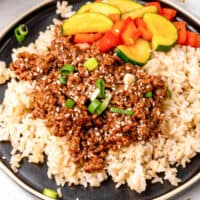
32 177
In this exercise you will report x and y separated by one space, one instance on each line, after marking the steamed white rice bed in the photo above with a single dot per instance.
4 72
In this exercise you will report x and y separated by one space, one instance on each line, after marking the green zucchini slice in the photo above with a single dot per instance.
86 23
137 54
164 32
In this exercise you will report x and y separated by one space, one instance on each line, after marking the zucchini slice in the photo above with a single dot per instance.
164 32
139 12
137 54
124 5
97 7
86 23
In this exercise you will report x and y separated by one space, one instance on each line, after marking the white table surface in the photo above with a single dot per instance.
9 10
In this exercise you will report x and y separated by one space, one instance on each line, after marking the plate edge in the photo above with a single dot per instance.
23 185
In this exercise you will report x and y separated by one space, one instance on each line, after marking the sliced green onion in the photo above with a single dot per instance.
100 84
148 94
21 32
23 29
67 69
18 36
94 106
62 31
95 94
50 193
63 80
91 64
69 103
121 111
104 104
169 93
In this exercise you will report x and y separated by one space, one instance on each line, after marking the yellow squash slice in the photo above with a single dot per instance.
98 7
86 23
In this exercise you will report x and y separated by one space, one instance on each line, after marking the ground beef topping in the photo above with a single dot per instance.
91 136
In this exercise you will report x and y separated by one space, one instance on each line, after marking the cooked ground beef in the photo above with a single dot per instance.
91 136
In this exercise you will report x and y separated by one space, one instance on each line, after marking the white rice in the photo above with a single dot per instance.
64 10
133 165
4 72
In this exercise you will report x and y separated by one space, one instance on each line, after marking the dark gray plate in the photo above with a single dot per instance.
33 177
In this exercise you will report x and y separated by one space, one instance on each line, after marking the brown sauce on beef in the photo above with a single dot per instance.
91 136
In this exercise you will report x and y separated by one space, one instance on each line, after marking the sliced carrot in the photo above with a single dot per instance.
130 33
145 32
87 37
118 27
191 39
169 13
182 32
127 20
140 22
114 17
112 38
157 4
198 41
117 30
108 41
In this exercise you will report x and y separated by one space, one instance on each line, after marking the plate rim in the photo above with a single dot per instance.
36 193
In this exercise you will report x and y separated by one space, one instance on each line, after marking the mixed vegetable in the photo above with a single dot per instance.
132 29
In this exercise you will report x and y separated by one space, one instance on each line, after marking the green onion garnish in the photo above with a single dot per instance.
148 94
93 106
121 111
21 32
67 69
169 93
91 64
69 103
23 29
104 104
95 94
50 193
18 36
100 84
63 80
62 31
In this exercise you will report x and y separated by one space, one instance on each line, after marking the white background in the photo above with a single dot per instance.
9 10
